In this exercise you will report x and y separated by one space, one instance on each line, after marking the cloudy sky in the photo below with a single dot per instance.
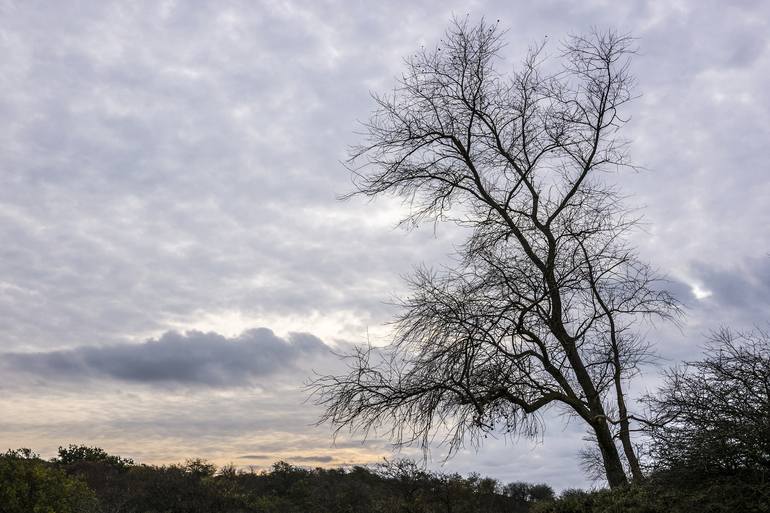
174 263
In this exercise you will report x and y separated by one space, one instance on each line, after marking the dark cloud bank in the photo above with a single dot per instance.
191 358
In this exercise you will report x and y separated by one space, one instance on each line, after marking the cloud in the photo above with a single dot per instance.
311 459
191 358
742 284
254 457
189 182
736 293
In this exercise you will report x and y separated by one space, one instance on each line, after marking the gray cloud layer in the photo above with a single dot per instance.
192 358
174 166
195 151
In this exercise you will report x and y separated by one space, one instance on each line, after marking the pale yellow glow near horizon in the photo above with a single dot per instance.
139 423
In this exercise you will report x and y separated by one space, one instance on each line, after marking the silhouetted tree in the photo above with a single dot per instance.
712 416
526 492
539 309
29 484
77 453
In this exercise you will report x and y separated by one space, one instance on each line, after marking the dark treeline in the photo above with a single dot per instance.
88 480
85 479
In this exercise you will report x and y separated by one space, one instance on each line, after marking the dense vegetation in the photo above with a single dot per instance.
88 480
84 479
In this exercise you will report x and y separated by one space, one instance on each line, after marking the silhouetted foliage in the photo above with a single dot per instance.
526 492
660 494
712 416
97 485
75 481
77 453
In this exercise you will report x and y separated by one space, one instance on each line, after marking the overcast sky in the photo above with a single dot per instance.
174 262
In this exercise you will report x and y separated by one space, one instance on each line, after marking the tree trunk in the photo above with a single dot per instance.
625 433
596 416
613 466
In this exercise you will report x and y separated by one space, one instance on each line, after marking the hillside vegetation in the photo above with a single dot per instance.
88 480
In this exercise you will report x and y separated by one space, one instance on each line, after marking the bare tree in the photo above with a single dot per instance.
539 309
712 416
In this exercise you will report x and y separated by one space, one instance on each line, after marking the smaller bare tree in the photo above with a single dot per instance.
712 416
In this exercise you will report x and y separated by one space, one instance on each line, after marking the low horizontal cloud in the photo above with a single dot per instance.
311 459
324 458
191 358
293 459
